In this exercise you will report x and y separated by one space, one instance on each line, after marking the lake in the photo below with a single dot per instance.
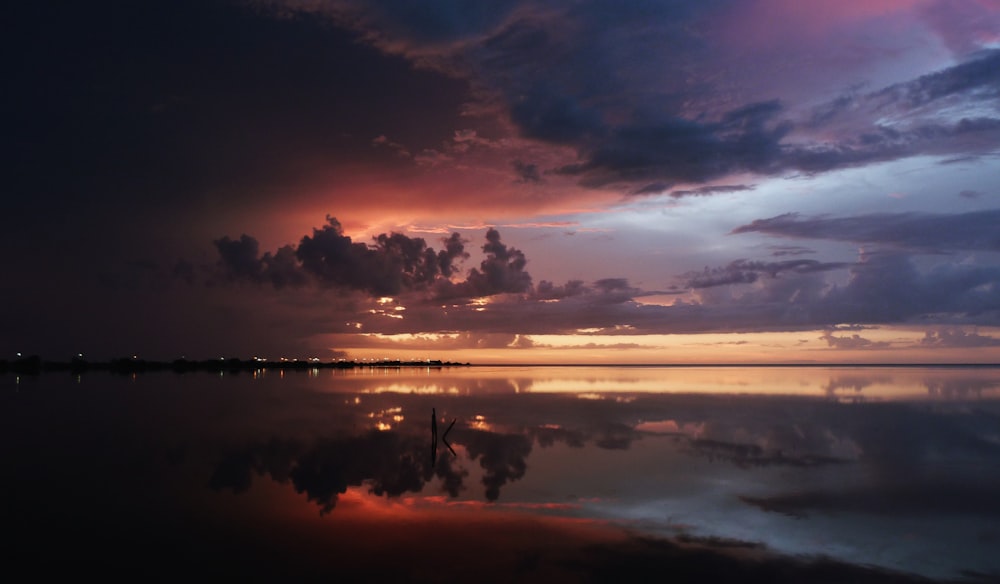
540 474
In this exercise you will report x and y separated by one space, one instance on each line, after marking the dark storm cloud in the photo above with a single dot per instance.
240 261
626 132
745 139
137 124
709 190
240 257
975 230
169 100
746 272
393 263
509 56
502 271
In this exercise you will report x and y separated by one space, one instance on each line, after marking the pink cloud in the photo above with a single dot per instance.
965 25
762 23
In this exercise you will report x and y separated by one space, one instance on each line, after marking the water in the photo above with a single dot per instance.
547 474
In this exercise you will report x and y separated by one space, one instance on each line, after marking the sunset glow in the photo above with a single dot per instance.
766 181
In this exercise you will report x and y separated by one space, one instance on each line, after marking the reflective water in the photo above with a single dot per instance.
537 474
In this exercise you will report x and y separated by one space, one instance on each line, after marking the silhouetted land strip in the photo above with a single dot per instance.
35 364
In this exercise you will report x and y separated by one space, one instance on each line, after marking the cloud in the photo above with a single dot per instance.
881 288
889 288
972 81
501 272
747 272
389 463
884 143
393 263
746 139
975 230
978 78
958 338
502 457
433 301
790 250
749 455
965 27
548 291
961 388
616 437
710 190
760 137
526 173
643 98
547 436
240 261
854 341
855 382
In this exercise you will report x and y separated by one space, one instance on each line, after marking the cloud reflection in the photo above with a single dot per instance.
388 463
825 477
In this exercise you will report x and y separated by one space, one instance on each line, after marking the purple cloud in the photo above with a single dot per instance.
976 230
747 272
958 338
854 341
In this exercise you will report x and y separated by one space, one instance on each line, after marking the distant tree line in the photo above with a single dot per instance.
35 364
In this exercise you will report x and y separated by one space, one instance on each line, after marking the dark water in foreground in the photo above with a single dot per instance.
548 474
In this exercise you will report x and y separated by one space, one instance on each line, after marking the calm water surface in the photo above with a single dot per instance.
537 474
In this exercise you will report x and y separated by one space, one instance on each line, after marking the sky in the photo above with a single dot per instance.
506 182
